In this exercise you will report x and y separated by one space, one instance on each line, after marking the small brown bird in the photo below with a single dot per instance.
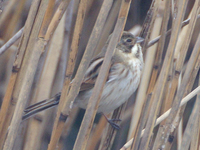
122 81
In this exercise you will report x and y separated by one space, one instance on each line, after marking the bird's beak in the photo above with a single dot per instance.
139 39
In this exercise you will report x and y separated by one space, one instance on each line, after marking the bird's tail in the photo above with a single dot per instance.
40 106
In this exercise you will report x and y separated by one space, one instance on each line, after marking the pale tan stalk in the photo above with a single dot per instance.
22 88
36 128
166 102
91 110
166 114
6 107
170 122
141 125
61 117
104 134
195 131
47 18
59 81
106 31
184 23
191 82
96 136
179 135
159 53
195 135
150 56
55 20
173 79
148 24
159 88
19 33
159 141
23 96
10 29
179 57
190 126
28 70
108 26
110 133
6 12
195 138
50 30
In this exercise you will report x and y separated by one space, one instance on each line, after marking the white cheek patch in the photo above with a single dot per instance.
134 49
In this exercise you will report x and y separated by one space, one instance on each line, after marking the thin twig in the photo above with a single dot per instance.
11 41
150 58
152 14
19 33
147 21
169 122
184 23
159 89
166 114
179 64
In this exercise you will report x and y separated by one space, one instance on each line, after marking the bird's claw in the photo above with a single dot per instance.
114 125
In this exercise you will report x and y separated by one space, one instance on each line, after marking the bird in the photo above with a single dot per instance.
122 80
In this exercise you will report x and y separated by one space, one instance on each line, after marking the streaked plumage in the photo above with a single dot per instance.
122 81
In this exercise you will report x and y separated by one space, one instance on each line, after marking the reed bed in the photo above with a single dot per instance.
45 44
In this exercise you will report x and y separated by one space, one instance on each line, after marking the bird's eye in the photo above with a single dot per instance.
129 40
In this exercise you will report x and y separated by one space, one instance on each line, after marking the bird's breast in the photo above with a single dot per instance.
122 83
118 91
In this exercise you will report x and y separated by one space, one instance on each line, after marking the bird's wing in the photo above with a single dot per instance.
93 71
116 71
91 74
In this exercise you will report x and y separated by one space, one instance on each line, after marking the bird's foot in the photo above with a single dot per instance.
113 124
